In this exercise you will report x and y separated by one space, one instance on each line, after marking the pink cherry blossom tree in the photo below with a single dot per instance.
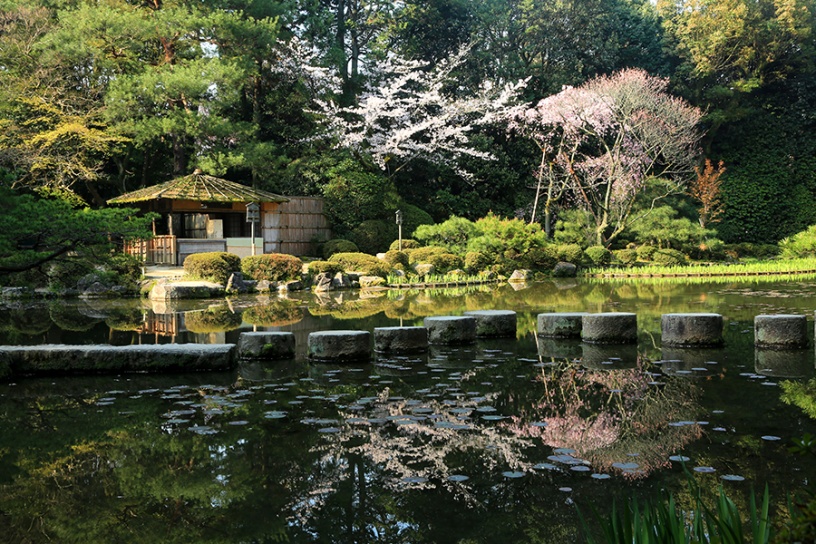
602 142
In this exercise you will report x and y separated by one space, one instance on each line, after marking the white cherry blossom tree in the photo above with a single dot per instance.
418 111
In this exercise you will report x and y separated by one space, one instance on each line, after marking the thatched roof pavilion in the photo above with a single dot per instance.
199 187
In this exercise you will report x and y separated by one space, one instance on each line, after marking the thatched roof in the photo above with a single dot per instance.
199 187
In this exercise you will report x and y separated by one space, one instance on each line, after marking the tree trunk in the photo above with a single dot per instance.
179 155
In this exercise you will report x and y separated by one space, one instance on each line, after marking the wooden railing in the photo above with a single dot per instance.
157 250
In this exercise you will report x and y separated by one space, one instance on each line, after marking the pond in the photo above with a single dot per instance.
498 442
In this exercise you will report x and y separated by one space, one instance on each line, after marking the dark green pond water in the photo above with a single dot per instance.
497 442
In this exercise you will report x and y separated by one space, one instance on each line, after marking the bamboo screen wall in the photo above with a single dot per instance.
294 227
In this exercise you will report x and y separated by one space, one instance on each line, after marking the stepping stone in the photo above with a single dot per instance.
609 328
451 329
560 325
400 339
494 323
266 345
339 346
692 330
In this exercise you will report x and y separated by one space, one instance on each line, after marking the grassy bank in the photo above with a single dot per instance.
775 267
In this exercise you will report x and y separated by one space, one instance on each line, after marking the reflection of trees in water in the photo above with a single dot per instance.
69 318
26 320
401 444
612 416
217 318
277 313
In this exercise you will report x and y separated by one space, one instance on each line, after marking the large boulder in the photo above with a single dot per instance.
164 290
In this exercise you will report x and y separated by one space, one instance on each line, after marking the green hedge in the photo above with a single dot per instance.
319 267
338 245
272 267
669 257
215 266
407 243
598 255
360 262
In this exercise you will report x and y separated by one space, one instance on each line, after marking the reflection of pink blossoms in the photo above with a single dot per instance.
611 416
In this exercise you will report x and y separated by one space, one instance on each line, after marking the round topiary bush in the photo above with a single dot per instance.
394 257
626 257
319 267
367 265
215 266
407 243
476 261
272 267
445 262
669 257
598 255
645 252
373 236
541 258
570 253
424 254
338 245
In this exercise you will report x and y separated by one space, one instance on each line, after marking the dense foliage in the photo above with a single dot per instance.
387 106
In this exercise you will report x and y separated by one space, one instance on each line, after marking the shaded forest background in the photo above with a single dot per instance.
101 98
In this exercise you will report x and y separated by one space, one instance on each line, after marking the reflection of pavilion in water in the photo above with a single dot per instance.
161 325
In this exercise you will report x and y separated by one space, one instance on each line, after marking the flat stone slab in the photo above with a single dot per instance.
494 323
560 324
266 345
339 346
609 328
781 331
692 330
400 339
449 329
91 359
164 290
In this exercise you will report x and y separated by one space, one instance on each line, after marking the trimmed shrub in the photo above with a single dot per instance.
272 267
508 241
598 255
645 252
626 257
541 258
476 261
424 254
669 257
373 236
216 266
570 253
338 245
318 267
407 243
368 265
444 262
413 217
454 234
394 257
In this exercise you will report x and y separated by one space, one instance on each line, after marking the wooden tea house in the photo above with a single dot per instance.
201 213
